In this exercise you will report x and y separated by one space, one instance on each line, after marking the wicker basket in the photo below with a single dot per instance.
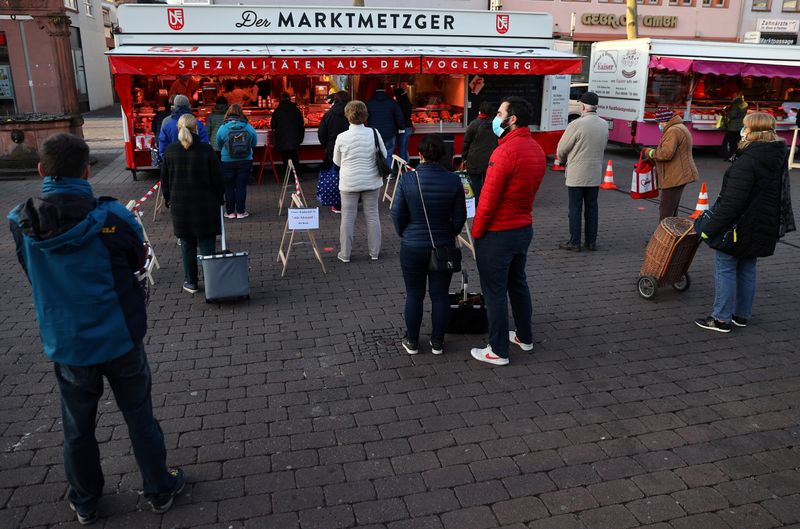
670 250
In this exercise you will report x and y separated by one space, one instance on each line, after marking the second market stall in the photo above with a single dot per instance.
449 62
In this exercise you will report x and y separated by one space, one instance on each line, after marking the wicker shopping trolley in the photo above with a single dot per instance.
668 256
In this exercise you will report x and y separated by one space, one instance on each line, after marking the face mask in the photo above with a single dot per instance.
661 127
742 133
497 126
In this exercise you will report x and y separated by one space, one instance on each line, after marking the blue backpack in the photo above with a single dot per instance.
238 142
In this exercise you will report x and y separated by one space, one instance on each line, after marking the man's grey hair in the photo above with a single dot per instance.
180 101
589 108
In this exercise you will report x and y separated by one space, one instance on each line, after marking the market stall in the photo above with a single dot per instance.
699 80
450 61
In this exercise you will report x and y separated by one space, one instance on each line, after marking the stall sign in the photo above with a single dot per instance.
555 109
778 25
197 65
495 66
619 21
618 75
783 39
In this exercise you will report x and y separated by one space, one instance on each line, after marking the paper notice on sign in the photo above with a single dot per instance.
470 208
303 218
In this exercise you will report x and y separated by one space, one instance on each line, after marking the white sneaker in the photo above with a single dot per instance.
512 337
486 355
342 259
242 215
230 215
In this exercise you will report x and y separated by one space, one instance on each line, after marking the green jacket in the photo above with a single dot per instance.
736 114
214 122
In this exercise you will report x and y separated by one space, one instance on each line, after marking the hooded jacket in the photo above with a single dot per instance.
288 126
444 203
480 142
384 115
674 161
333 123
515 172
80 254
169 129
214 121
234 124
750 199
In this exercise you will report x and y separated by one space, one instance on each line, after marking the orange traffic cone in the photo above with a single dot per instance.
608 178
557 165
702 202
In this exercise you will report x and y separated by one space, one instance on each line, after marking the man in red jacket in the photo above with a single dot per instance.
502 230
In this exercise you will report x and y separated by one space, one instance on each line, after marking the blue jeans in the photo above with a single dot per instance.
236 175
734 287
81 389
402 142
414 263
501 258
582 198
389 144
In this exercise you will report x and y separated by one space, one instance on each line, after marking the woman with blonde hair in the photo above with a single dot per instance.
354 153
744 222
193 191
236 139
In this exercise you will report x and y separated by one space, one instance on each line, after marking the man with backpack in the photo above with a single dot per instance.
236 139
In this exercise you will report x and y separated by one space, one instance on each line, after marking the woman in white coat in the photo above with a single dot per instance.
354 153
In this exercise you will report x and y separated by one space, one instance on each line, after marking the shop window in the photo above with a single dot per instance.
715 3
762 5
611 1
682 3
88 8
790 6
649 2
7 101
71 4
106 18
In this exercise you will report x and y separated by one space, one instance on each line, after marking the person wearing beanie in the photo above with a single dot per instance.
169 128
582 151
675 165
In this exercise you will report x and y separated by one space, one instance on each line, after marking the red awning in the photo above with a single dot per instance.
275 60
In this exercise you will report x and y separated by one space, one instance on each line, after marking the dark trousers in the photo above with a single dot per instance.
295 158
585 199
730 143
501 258
414 263
670 200
236 175
477 184
189 253
81 389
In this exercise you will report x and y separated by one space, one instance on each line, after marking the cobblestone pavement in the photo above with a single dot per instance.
298 408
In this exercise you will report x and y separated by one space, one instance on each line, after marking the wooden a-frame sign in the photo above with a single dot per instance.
402 167
290 171
285 248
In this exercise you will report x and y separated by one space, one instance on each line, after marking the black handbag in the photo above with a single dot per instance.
443 258
467 311
725 241
383 169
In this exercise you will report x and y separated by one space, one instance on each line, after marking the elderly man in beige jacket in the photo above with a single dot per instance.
582 149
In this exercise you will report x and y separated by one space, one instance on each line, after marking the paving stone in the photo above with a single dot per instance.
701 475
700 499
743 491
346 493
428 522
528 484
655 509
786 510
519 510
569 500
611 517
472 518
750 516
573 476
340 516
399 486
482 493
704 521
565 521
448 477
434 502
613 492
380 511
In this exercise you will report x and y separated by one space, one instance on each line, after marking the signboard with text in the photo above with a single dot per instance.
618 75
778 25
303 218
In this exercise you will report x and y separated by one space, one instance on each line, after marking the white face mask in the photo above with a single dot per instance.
661 127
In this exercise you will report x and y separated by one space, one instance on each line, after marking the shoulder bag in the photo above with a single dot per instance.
444 258
383 169
724 242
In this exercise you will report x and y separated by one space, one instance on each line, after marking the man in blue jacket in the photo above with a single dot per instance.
169 127
80 254
385 116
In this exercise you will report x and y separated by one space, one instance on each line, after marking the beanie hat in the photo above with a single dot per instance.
181 101
590 98
663 115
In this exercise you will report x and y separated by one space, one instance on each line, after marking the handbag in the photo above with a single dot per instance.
443 258
383 169
467 311
643 179
328 187
725 241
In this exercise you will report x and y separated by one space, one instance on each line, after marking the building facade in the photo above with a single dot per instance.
770 22
88 43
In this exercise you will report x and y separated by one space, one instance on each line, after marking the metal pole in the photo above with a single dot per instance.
27 64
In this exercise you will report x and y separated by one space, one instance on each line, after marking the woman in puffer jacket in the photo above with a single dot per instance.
444 209
354 153
748 206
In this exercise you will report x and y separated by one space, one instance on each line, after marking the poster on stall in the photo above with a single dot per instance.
6 87
555 107
618 75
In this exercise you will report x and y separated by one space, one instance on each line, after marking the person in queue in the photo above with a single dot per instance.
749 203
191 181
503 230
169 127
428 208
401 95
80 254
479 144
385 116
237 139
354 152
288 129
675 165
332 124
214 121
734 121
581 149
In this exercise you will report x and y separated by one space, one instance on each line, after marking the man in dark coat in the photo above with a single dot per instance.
385 116
405 107
289 128
479 144
333 123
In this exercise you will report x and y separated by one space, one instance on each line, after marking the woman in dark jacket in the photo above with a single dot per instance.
288 129
332 124
193 189
480 141
750 205
446 212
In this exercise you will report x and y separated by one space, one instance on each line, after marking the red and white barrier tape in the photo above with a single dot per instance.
148 194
